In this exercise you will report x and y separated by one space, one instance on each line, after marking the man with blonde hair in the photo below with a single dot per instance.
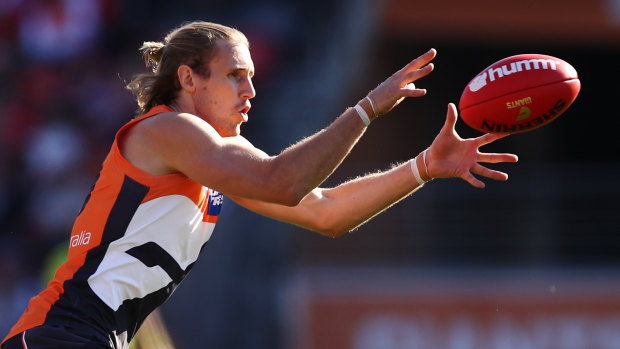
158 196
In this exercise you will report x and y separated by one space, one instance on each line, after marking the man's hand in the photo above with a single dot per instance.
400 85
452 156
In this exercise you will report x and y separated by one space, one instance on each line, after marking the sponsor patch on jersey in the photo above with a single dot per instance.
215 203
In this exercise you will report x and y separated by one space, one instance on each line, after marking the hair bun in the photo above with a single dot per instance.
152 52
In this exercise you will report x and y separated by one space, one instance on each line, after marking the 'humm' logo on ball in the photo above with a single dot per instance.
480 81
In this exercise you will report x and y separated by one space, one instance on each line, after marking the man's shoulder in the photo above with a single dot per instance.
168 123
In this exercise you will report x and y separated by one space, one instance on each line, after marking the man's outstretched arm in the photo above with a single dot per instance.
337 210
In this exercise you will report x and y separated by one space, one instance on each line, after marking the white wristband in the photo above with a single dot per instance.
424 160
416 172
362 113
372 106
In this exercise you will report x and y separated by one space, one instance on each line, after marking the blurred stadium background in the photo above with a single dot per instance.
530 263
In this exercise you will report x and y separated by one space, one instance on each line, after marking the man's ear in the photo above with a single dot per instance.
186 78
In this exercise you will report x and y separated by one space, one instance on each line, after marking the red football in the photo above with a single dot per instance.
519 93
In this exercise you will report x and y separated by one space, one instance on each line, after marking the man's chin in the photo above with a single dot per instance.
232 133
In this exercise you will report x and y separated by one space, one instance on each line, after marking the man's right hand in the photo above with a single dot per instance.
401 84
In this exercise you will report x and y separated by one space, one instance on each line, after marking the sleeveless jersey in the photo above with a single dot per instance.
134 240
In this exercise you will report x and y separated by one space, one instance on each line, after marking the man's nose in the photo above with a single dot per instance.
247 89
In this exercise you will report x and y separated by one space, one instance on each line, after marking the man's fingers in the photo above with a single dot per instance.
494 158
418 92
420 61
400 85
418 73
469 178
487 172
490 138
410 90
451 117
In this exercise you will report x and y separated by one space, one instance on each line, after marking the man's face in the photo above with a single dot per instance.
223 99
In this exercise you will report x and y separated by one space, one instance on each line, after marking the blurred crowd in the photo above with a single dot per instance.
60 103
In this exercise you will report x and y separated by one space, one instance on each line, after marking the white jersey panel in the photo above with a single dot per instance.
173 224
